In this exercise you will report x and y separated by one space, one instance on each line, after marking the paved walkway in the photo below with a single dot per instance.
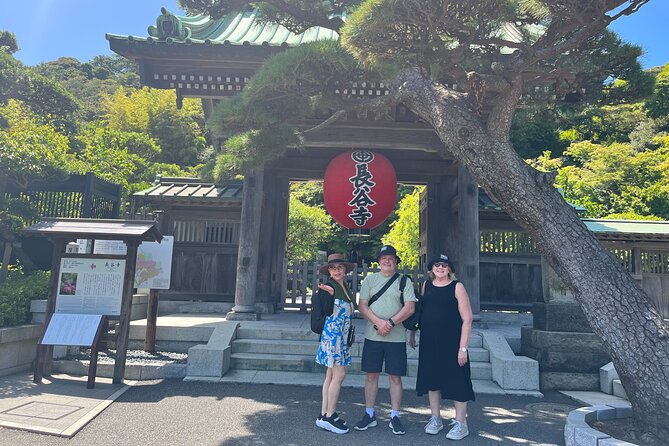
61 405
173 412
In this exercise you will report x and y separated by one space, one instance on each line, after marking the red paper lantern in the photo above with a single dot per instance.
360 189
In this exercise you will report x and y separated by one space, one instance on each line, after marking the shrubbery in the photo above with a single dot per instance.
17 291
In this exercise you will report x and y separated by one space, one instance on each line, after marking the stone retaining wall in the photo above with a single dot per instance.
17 348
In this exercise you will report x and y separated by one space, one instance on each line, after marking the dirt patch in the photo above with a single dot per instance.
627 429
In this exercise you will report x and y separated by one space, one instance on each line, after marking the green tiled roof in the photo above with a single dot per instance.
244 29
240 29
628 226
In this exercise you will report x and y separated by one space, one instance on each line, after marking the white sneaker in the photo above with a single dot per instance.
434 426
458 431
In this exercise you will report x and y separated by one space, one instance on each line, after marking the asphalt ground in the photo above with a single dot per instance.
173 412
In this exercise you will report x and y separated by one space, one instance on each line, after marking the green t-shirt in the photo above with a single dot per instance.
386 306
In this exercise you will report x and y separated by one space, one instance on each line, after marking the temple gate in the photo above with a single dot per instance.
212 59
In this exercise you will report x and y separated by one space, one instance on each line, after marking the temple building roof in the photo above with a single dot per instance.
624 229
235 29
191 191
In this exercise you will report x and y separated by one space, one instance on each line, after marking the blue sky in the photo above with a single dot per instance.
49 29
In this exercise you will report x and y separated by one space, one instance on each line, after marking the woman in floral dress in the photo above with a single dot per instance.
333 351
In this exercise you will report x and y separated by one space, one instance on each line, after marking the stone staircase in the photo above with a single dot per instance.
280 349
284 350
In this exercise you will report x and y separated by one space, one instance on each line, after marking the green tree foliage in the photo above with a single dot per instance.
48 100
179 133
90 81
616 179
658 104
124 158
606 124
404 232
308 228
30 150
535 131
17 292
8 42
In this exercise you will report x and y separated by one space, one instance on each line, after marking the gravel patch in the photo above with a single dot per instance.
134 357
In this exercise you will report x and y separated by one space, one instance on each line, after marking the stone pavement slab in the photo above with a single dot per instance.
595 398
61 405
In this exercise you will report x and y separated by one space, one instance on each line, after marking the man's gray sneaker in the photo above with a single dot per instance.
396 426
365 423
458 431
434 426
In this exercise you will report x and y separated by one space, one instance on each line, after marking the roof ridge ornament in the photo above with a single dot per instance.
169 25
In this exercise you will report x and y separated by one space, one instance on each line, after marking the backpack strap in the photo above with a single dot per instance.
403 283
376 296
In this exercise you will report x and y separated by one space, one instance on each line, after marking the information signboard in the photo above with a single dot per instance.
72 329
110 247
90 286
154 264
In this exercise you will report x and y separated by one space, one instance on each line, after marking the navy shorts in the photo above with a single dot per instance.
375 353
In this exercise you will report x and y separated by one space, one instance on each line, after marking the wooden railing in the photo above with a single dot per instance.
302 278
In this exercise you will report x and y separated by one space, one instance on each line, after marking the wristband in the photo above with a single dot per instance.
390 319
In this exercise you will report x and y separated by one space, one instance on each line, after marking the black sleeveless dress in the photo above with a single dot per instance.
440 330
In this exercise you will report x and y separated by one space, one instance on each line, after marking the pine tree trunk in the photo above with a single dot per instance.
618 310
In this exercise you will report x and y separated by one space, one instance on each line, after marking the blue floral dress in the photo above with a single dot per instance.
332 349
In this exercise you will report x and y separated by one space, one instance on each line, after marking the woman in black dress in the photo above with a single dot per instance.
443 361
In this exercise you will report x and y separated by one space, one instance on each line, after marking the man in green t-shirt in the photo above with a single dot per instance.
385 336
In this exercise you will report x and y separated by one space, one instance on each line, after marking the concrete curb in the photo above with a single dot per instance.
136 372
511 372
577 431
212 360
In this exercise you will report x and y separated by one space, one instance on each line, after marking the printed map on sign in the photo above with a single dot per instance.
154 264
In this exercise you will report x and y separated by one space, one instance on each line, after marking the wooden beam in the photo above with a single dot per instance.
123 328
45 352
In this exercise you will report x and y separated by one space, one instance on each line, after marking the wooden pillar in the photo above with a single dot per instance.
468 238
273 236
266 245
45 352
280 238
441 217
87 207
123 328
151 321
249 241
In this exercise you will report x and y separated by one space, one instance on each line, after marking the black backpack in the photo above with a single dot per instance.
412 322
322 305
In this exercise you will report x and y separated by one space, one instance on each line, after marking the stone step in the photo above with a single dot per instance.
306 363
618 389
287 347
301 334
487 387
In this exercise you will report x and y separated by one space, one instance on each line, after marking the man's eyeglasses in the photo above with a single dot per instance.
336 267
440 264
